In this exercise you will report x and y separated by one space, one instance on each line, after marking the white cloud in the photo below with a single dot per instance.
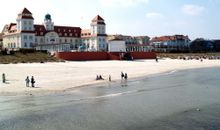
153 15
122 3
193 9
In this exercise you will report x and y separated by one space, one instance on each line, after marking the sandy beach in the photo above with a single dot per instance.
53 77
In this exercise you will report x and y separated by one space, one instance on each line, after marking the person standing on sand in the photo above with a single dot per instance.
32 81
27 80
156 59
126 76
122 75
3 78
109 78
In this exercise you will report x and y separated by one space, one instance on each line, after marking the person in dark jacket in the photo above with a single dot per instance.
32 81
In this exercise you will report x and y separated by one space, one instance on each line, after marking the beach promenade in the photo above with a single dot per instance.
54 77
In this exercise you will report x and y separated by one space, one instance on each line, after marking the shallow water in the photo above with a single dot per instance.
187 99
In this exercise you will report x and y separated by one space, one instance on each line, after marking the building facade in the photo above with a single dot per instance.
94 39
133 43
170 43
47 36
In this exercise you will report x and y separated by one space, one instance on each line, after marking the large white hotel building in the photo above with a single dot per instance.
47 36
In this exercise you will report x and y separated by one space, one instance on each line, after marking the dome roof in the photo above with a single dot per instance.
47 17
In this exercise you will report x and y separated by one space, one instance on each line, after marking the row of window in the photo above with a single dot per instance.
11 45
93 39
27 22
61 34
61 40
26 37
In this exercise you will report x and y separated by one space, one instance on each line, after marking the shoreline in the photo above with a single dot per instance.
136 70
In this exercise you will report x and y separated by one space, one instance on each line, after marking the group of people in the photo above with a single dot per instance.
124 76
99 77
28 81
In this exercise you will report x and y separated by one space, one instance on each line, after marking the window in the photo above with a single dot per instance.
60 40
71 34
25 22
31 38
29 28
25 44
30 22
65 34
65 40
35 39
25 37
76 34
41 33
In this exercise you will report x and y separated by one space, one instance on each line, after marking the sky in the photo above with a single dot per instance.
195 18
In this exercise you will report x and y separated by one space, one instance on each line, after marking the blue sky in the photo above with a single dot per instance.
196 18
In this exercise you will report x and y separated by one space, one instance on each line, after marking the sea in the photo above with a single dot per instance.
175 100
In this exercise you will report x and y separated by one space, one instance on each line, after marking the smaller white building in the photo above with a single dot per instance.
116 45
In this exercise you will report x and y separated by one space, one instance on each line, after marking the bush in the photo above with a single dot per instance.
24 51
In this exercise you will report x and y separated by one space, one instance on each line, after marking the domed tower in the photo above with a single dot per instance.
48 24
25 21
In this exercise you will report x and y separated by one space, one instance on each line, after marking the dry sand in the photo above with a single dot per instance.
53 77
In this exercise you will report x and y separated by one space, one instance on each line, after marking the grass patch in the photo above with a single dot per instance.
36 57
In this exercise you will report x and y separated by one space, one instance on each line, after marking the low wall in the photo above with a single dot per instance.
83 56
143 55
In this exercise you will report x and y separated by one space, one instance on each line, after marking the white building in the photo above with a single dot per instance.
95 37
116 45
20 34
47 36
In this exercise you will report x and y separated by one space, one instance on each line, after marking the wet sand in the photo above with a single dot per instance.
191 101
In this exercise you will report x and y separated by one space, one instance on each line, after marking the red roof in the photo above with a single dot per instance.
85 33
62 31
25 14
25 11
97 18
170 38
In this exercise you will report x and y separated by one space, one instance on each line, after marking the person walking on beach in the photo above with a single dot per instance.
3 78
27 80
122 75
126 76
97 77
156 59
32 81
109 78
